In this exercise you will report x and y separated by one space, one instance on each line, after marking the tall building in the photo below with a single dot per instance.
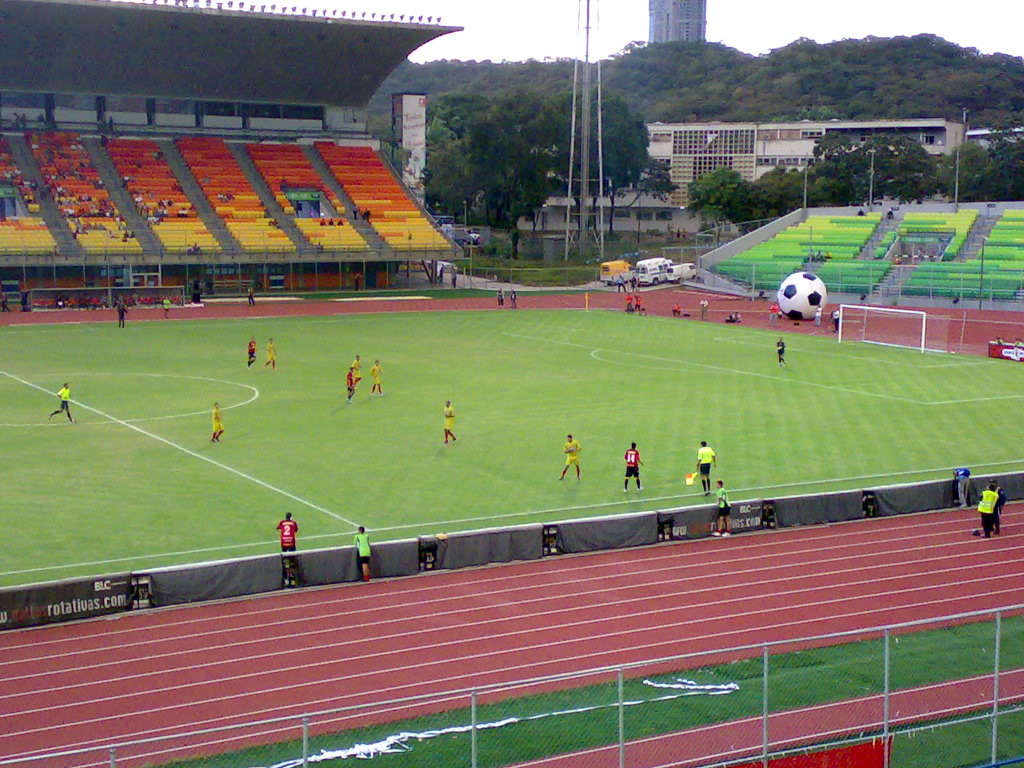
753 149
678 20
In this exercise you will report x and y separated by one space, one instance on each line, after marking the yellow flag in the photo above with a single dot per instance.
690 478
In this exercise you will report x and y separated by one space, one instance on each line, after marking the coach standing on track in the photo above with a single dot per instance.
987 509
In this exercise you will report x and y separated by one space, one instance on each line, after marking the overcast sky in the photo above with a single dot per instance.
544 28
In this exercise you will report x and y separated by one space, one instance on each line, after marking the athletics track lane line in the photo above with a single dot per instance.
697 556
272 634
286 662
189 452
669 561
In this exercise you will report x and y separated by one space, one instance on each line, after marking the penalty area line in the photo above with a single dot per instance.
190 452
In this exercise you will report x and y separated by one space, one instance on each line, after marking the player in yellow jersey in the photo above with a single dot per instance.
358 365
571 449
375 373
449 421
271 355
218 424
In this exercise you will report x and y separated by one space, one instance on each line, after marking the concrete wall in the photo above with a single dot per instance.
751 239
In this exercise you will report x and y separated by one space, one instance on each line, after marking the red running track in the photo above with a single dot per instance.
166 672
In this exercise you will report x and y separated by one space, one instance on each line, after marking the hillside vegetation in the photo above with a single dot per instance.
921 76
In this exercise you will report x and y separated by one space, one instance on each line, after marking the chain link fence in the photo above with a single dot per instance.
935 693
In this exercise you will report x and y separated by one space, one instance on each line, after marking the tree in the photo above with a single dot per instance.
1006 152
902 169
721 195
977 174
777 193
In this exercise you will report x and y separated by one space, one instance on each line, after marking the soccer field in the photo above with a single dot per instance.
136 482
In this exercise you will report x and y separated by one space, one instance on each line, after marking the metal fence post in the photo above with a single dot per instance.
885 700
472 730
113 757
622 723
995 688
305 742
764 706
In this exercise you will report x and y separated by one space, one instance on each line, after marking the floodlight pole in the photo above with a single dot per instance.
981 274
807 167
871 181
585 137
956 183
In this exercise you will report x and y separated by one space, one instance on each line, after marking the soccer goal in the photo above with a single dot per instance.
890 327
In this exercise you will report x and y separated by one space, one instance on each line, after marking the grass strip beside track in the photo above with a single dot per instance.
797 679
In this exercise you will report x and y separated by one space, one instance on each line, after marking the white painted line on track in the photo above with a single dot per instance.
189 452
426 678
287 654
808 540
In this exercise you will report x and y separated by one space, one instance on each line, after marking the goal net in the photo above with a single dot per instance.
909 328
101 298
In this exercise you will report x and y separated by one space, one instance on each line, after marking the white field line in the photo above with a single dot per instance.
962 363
697 500
709 590
190 452
695 497
808 541
428 677
740 372
254 398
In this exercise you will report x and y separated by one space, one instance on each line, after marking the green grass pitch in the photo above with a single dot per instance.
138 484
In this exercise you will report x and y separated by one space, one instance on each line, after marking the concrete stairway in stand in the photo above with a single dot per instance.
982 228
197 197
884 227
122 198
67 244
370 235
266 195
892 283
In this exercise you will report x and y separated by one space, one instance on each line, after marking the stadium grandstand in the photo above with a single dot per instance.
189 161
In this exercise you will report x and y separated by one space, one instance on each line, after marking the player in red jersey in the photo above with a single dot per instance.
633 463
289 565
288 529
252 351
350 381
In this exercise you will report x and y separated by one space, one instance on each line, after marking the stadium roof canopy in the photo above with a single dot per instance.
170 51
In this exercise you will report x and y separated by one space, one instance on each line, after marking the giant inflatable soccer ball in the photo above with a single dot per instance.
801 294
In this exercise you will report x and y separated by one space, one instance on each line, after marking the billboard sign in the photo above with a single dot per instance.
409 118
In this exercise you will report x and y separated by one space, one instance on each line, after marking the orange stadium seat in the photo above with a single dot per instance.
231 195
285 166
79 194
27 234
158 195
10 173
363 175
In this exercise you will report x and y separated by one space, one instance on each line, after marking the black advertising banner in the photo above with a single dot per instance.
64 600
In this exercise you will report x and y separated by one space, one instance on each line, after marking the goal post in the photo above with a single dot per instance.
907 328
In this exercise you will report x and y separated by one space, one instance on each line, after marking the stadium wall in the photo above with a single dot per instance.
97 596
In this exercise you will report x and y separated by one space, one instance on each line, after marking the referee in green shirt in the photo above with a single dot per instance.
362 540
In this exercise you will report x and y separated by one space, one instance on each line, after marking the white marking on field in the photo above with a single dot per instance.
696 498
963 363
255 396
382 298
241 299
190 452
740 372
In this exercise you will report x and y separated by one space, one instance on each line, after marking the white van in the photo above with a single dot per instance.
682 272
653 271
